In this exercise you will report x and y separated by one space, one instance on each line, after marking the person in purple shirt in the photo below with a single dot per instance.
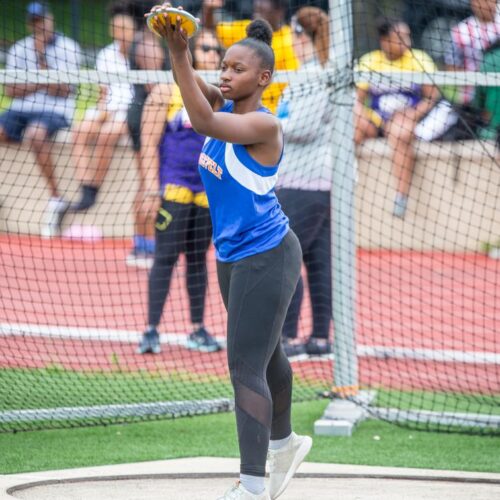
170 156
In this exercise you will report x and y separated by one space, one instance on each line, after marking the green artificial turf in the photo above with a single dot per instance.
373 443
54 387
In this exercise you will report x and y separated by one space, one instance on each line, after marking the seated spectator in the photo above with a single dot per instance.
39 110
488 98
147 53
305 181
95 138
472 37
402 114
183 221
272 11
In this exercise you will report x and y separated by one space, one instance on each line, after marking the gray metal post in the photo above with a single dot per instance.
341 415
342 204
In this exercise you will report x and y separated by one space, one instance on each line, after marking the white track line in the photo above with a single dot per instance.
131 337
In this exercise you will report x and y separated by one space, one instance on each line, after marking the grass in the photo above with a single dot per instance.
373 443
55 387
439 401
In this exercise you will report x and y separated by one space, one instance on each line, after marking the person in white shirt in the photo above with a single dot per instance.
472 37
96 137
39 110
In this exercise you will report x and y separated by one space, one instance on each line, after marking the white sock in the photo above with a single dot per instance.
277 444
254 484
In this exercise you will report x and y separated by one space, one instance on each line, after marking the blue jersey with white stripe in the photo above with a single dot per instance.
246 216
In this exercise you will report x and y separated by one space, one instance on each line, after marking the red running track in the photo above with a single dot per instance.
415 300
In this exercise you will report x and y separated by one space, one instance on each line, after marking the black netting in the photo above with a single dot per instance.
390 179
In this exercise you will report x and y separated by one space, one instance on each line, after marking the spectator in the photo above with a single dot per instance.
146 53
95 138
272 11
402 114
488 98
183 222
304 194
471 38
39 110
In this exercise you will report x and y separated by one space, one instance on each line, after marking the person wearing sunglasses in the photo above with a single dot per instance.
171 147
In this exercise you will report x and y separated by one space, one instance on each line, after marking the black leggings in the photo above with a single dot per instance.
256 292
180 228
309 214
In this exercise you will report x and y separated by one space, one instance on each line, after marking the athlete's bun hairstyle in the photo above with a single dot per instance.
261 30
259 38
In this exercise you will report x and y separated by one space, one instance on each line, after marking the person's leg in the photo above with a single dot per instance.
40 128
36 136
364 128
257 295
319 276
111 132
291 325
306 212
199 235
144 232
84 137
318 264
400 134
296 209
171 226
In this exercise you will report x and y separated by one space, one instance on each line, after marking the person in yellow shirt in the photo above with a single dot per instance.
273 11
400 113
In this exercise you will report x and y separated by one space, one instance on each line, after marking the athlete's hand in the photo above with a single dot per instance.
175 36
213 4
149 204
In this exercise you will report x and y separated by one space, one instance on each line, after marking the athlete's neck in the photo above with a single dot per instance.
247 105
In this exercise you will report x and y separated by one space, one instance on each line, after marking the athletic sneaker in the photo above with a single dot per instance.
150 343
54 213
317 347
202 341
239 492
400 204
141 259
283 463
293 348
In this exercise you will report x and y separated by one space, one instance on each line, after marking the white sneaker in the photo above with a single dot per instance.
239 492
142 260
283 463
54 213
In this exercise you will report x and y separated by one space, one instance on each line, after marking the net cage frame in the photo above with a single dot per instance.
341 77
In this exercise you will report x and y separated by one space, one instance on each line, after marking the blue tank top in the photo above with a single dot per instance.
246 216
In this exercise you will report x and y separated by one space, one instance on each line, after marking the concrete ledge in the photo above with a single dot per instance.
202 478
454 200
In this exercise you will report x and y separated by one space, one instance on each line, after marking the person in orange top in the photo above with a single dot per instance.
273 11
